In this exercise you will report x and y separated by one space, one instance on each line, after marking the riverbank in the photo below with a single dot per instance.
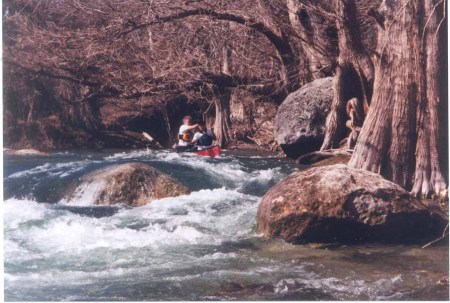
237 147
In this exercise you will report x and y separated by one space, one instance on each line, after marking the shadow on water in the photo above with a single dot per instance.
95 211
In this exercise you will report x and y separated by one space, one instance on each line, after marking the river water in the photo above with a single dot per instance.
201 246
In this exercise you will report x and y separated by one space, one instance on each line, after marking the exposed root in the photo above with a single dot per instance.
355 112
426 184
421 187
254 140
444 235
317 156
439 185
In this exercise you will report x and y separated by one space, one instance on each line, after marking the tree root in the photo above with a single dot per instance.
254 140
317 156
444 234
426 184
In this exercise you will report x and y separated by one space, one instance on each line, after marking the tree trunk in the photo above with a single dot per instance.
318 46
399 138
222 101
354 75
273 14
222 124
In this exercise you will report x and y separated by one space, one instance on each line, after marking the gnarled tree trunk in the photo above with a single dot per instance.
354 74
399 138
318 38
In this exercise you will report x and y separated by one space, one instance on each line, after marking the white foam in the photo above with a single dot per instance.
231 171
146 154
219 256
85 194
54 169
17 212
64 231
69 248
344 288
68 277
73 234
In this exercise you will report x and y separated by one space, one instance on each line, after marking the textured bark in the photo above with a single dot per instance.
222 124
318 41
354 74
222 102
399 138
428 176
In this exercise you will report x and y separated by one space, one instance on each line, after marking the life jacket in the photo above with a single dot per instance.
186 136
205 140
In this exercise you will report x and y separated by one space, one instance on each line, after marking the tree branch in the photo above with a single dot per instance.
276 40
43 72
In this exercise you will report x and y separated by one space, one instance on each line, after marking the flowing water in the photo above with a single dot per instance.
202 246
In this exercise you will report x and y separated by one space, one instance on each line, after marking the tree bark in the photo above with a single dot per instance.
399 138
222 101
354 74
317 45
222 124
428 176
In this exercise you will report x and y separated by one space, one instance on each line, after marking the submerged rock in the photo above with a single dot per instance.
300 120
134 184
341 204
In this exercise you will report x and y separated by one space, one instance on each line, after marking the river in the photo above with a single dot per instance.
201 246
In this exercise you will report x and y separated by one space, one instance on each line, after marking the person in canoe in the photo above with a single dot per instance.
185 135
203 138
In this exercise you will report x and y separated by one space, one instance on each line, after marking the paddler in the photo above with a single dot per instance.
185 135
203 138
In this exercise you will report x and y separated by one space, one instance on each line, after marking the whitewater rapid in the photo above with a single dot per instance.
199 246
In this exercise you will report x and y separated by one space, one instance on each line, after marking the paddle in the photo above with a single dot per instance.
150 138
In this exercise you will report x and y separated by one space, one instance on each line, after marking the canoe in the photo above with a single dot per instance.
210 152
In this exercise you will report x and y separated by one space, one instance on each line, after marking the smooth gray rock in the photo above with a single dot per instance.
300 120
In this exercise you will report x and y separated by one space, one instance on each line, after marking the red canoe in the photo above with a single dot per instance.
210 152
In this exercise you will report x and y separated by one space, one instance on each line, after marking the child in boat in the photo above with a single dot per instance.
203 138
185 134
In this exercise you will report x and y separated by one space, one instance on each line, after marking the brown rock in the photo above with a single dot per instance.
134 184
340 204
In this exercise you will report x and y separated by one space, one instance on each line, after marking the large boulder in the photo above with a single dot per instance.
340 204
300 120
134 184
